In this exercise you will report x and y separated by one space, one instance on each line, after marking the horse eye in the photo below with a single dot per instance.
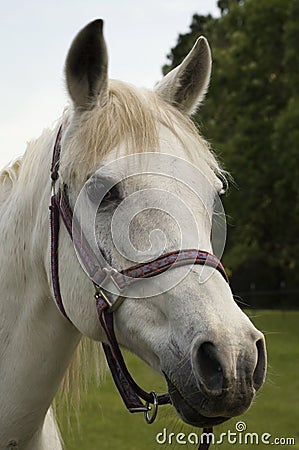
112 195
97 191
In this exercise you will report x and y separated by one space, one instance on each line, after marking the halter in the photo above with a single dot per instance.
131 393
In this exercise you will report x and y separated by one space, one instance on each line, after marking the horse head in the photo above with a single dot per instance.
160 183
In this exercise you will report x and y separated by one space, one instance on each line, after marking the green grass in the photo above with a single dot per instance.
105 424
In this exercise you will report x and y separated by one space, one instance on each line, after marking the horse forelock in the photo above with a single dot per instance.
130 120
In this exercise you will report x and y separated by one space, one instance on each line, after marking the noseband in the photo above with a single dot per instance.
134 397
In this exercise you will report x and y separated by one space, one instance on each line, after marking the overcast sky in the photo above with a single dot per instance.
35 37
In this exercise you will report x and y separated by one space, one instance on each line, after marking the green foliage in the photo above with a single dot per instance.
105 424
251 117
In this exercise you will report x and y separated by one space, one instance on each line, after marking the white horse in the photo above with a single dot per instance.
212 356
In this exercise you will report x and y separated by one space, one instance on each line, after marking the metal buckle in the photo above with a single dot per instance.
102 292
147 408
109 277
138 409
151 418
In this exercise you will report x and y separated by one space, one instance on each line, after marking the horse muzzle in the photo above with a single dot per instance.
223 381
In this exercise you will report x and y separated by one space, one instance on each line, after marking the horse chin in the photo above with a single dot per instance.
187 412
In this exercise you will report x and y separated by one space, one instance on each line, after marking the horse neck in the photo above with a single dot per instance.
36 342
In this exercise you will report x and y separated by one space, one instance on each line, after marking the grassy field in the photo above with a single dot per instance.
106 425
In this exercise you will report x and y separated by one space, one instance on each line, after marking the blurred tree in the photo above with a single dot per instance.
225 5
251 116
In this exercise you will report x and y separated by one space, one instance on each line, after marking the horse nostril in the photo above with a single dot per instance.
260 368
209 368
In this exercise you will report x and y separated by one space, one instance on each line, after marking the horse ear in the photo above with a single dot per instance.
186 85
86 67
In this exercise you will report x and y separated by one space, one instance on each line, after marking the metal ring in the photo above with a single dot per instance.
150 418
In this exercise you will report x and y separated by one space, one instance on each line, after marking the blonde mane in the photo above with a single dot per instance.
131 117
8 177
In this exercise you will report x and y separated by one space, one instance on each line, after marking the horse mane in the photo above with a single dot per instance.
8 177
88 365
88 361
